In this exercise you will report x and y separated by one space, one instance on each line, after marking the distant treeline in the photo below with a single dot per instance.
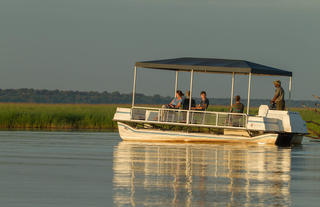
25 95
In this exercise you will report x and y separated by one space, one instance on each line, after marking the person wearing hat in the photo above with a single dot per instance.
278 98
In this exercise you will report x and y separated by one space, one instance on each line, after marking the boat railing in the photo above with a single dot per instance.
189 117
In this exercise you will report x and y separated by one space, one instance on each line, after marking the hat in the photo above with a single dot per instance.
277 81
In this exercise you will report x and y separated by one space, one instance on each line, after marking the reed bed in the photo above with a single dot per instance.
56 116
85 116
309 115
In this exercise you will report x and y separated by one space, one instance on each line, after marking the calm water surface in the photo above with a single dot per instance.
98 169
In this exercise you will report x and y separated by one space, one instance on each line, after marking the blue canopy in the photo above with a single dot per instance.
212 65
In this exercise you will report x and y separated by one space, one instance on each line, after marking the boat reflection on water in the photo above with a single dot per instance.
182 174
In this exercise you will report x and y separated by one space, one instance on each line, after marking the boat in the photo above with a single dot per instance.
158 124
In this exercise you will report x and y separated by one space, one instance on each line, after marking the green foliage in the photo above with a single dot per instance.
57 116
25 95
87 116
310 115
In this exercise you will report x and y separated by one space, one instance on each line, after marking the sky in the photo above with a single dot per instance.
93 45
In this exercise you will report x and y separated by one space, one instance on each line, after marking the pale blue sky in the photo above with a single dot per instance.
92 45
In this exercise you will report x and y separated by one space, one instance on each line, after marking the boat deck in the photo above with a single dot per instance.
180 117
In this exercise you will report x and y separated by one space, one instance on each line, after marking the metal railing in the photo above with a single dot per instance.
189 117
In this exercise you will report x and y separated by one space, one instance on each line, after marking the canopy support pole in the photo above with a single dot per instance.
249 93
290 87
134 85
232 89
190 98
176 84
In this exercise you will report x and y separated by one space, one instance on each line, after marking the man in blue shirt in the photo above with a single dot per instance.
204 103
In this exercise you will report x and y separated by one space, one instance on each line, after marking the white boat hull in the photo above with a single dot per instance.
131 134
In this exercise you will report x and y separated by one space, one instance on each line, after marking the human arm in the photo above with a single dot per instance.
276 95
171 103
201 106
204 106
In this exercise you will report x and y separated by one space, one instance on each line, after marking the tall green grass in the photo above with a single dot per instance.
85 116
309 115
57 116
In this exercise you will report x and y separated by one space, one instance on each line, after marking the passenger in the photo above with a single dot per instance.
176 102
204 103
278 98
185 104
237 107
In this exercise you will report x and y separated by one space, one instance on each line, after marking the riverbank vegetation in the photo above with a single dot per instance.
56 116
88 116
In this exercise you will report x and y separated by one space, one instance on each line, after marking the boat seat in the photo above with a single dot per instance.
263 110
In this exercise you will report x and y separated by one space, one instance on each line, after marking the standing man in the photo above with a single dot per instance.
278 98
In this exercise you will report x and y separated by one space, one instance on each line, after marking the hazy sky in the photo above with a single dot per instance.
93 44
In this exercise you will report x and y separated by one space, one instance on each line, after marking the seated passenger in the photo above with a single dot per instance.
204 103
237 107
185 104
176 102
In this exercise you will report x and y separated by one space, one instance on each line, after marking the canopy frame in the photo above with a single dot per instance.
176 84
256 69
232 89
213 65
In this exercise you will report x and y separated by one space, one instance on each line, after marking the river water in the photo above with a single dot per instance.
98 169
